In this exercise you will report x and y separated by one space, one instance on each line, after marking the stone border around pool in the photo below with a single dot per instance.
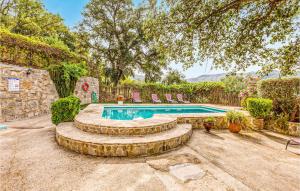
89 120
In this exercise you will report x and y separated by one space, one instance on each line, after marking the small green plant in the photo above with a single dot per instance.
235 117
65 109
282 122
209 120
259 107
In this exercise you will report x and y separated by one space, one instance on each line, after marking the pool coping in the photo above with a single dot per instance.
92 115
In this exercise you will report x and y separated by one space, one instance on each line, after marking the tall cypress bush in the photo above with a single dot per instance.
65 77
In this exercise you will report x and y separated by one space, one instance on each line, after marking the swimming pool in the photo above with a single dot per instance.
144 112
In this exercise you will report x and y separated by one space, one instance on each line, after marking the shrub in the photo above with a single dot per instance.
235 117
282 122
65 77
65 109
283 92
259 107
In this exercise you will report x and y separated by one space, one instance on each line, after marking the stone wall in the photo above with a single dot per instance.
35 95
85 96
292 129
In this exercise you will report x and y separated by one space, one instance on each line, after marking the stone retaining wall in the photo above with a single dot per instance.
110 130
197 122
35 95
125 150
85 96
293 128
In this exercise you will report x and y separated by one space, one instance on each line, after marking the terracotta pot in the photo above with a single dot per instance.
234 127
208 126
120 98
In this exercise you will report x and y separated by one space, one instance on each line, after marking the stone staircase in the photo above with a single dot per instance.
130 140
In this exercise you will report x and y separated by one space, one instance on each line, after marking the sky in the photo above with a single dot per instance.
70 11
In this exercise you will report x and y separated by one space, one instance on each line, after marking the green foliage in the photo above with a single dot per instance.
174 77
209 120
32 51
235 117
282 122
244 102
201 92
65 109
115 30
283 92
259 107
30 18
65 77
234 83
243 33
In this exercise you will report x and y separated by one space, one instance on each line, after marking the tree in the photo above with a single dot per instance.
173 77
233 33
30 18
116 39
234 83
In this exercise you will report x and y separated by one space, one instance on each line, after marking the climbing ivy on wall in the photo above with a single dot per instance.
33 52
65 77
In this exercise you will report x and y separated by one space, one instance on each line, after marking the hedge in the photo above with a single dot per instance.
29 51
259 107
283 92
200 92
65 109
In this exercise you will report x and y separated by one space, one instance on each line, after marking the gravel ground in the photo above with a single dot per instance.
31 160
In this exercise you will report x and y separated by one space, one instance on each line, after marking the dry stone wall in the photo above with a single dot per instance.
24 93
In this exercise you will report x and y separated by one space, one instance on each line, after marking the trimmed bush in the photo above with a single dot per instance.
283 92
259 107
65 109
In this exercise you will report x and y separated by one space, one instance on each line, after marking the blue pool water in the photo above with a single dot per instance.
144 112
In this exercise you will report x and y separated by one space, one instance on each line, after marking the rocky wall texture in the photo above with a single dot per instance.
85 96
292 128
34 96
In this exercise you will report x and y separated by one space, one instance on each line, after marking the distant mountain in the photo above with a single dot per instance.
218 77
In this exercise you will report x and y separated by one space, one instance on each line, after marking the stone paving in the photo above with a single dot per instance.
31 160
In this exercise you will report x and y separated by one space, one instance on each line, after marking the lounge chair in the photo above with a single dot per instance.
180 99
169 98
136 97
293 141
155 99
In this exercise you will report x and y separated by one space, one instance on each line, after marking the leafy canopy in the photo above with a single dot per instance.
30 18
116 39
235 34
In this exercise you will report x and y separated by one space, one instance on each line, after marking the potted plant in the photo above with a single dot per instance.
208 123
235 119
259 109
120 99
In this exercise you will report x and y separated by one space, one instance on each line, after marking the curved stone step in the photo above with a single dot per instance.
68 136
94 124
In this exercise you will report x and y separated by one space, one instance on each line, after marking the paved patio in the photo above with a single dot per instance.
31 160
